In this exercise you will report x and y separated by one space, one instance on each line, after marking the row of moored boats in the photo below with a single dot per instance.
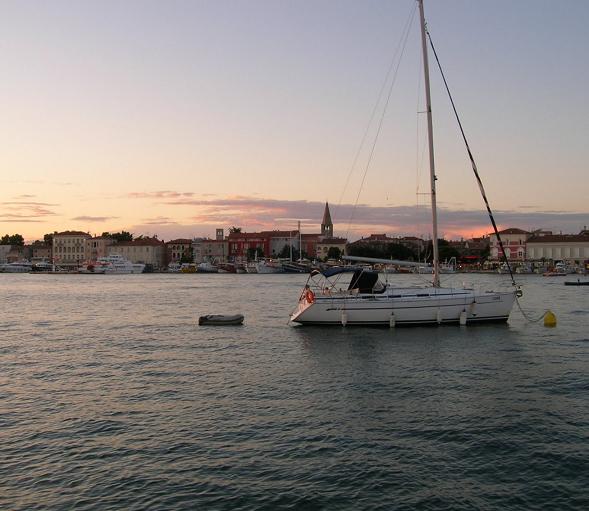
114 263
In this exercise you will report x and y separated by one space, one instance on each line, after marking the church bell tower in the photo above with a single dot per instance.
326 224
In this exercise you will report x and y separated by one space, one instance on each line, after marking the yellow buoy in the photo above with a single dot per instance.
549 319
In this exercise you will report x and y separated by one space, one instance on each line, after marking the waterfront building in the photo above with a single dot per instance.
309 244
324 244
69 248
98 247
570 248
278 240
40 251
177 249
207 249
4 251
148 251
514 244
242 243
473 248
18 253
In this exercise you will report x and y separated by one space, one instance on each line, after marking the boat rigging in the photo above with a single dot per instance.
368 301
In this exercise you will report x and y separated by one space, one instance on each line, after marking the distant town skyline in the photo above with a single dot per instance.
368 220
178 118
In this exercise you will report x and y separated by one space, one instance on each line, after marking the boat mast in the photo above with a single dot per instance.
430 137
300 243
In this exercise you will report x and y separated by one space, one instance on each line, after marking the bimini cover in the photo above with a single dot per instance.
335 270
364 281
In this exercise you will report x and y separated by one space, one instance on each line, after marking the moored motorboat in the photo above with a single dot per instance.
269 266
207 267
16 267
116 263
577 282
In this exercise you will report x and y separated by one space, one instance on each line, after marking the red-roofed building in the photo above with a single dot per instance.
272 243
514 244
240 242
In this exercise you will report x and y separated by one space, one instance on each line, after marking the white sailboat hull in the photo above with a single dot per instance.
410 306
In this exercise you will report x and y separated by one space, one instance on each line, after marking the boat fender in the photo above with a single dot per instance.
392 320
439 316
344 318
463 318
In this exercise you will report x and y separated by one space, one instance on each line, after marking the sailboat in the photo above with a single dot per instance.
366 300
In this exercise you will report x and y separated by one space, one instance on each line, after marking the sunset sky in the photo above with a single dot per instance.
177 117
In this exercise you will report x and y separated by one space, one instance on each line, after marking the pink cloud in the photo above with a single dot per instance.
255 214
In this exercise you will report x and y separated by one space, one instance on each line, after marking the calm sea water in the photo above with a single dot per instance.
112 397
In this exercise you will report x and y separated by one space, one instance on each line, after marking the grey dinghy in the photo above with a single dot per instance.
221 319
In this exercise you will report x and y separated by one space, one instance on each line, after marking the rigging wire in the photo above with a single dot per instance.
474 167
397 57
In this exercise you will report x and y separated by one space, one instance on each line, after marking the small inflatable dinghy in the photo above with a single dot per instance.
221 319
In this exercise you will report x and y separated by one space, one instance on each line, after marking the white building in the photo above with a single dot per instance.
571 248
69 247
278 240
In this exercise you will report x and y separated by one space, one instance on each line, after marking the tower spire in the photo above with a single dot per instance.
326 224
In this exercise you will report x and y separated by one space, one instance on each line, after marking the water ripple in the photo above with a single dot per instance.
112 397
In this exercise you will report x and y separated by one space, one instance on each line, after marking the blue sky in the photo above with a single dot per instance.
255 111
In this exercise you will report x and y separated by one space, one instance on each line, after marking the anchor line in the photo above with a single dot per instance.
526 316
